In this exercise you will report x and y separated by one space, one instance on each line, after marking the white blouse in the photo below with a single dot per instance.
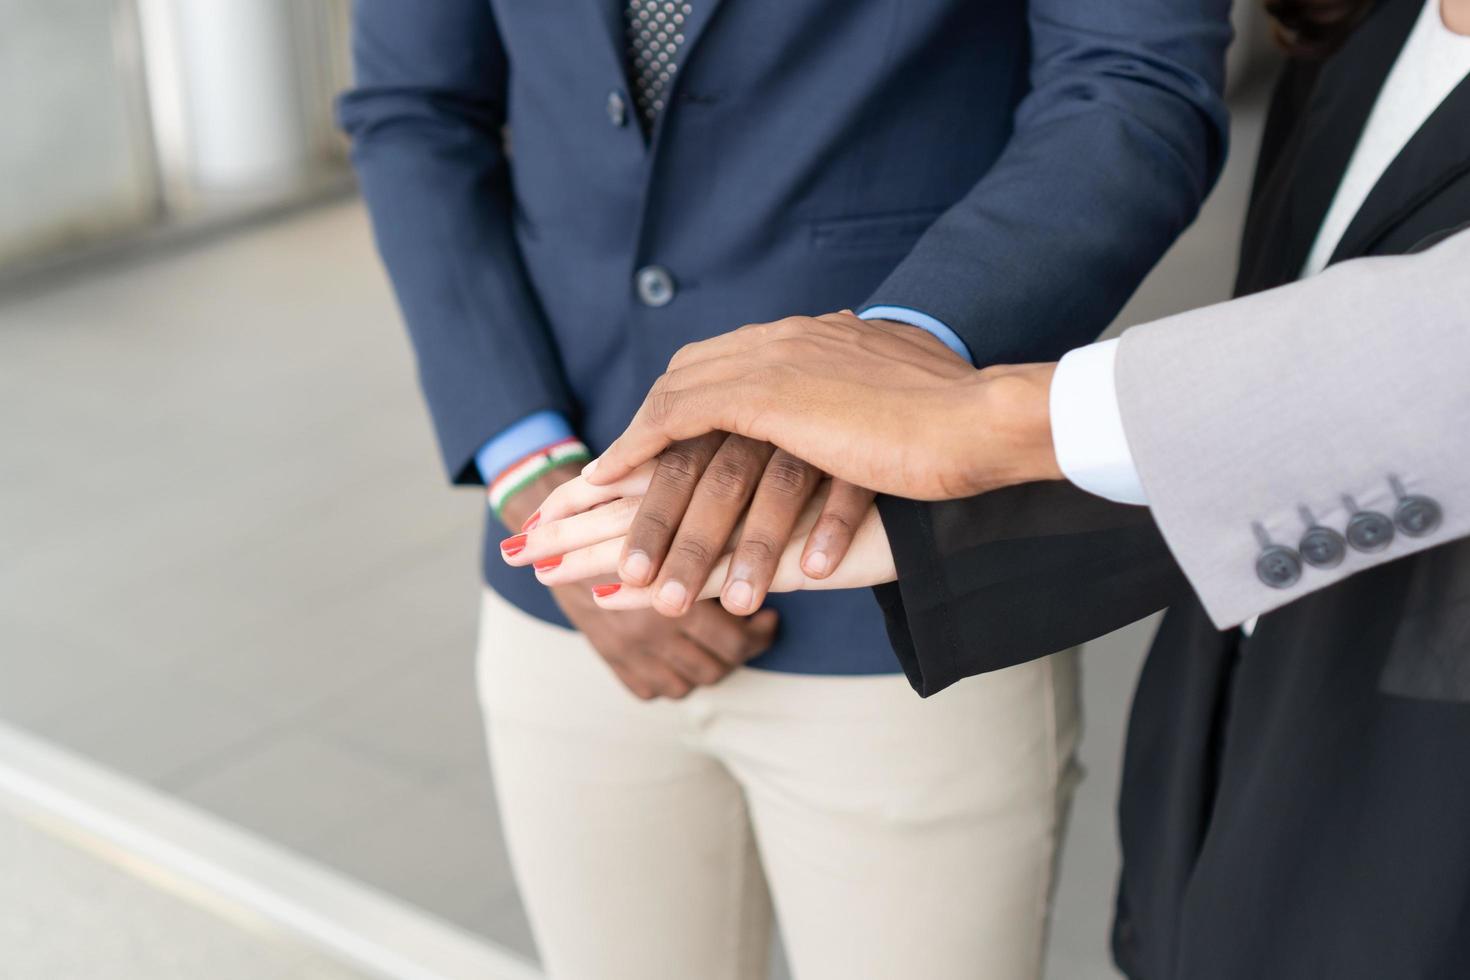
1434 60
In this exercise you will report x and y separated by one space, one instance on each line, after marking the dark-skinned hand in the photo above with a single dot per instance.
713 486
652 655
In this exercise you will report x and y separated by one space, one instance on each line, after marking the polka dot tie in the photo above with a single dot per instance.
655 35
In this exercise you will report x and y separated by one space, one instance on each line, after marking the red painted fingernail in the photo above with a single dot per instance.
603 591
531 521
513 545
546 564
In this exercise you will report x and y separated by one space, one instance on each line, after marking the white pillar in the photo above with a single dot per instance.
241 92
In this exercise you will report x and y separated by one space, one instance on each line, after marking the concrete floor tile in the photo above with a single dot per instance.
422 613
423 719
506 923
152 726
432 849
298 790
65 914
43 671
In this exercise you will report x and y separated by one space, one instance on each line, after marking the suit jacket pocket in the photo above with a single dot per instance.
1430 654
896 231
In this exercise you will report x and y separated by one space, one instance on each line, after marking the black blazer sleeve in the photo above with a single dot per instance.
1000 579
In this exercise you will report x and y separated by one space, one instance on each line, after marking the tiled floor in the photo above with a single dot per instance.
229 567
70 914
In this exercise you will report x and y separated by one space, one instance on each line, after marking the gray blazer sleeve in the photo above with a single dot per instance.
1292 438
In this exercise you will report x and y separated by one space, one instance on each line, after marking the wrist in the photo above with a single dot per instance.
520 480
1012 407
519 507
915 333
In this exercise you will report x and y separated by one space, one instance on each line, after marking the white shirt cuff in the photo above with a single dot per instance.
1087 426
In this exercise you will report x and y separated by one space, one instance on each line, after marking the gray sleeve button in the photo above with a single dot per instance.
1278 567
1369 531
1322 547
1417 516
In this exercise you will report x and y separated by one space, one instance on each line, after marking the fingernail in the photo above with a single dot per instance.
531 521
673 594
513 546
589 468
636 568
740 595
603 591
816 563
546 564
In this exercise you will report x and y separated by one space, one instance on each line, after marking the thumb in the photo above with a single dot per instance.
649 434
669 413
623 457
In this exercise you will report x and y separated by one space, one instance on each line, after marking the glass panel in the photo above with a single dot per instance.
75 162
325 55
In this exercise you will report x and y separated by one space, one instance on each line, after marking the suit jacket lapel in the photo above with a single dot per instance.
613 16
1332 123
1438 153
700 14
609 17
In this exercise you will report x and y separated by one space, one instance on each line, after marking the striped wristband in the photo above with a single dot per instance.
520 475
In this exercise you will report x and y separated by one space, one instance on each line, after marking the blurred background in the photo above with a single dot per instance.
238 733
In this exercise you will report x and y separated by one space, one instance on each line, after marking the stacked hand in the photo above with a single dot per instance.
652 655
717 490
585 531
752 465
879 405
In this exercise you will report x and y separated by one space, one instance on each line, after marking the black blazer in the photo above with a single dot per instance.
1295 804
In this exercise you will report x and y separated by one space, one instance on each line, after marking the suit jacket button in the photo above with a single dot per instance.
655 286
1369 531
1417 516
1322 547
617 108
1278 567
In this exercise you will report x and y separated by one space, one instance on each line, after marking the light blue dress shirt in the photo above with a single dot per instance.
536 431
922 320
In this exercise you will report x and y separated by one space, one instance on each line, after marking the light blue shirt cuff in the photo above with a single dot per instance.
923 321
521 439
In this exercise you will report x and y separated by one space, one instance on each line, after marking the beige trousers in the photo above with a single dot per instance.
898 838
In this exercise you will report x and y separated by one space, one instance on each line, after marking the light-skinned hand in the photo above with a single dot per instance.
581 537
653 656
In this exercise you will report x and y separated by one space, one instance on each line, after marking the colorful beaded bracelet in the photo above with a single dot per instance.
516 477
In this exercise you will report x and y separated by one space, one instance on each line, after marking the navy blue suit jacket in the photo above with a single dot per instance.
1011 168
